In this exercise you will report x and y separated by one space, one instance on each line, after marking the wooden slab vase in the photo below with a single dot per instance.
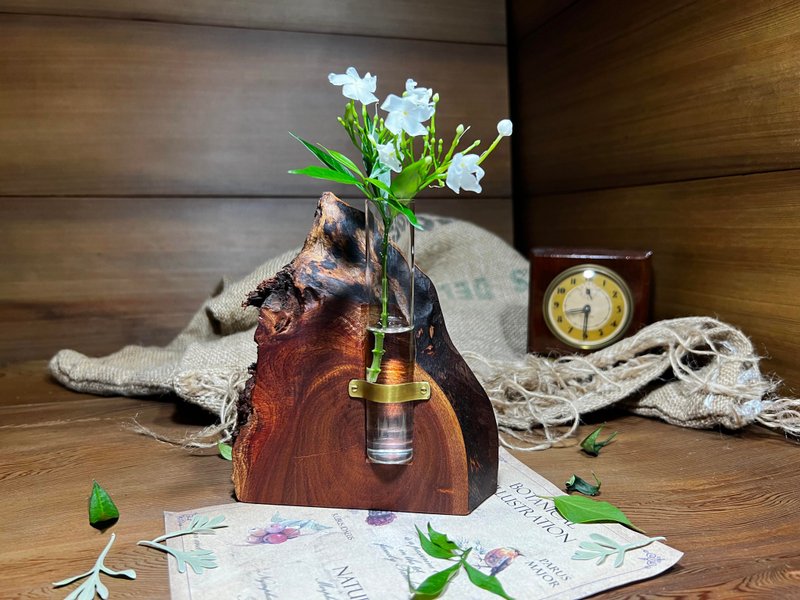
301 439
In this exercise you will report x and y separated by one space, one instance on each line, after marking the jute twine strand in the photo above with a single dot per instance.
706 370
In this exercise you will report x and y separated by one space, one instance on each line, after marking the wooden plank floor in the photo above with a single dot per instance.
729 501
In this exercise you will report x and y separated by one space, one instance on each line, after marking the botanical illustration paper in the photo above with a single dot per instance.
271 552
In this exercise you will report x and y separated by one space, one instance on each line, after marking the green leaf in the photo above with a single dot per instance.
577 484
490 583
323 155
405 210
225 451
591 445
431 548
434 586
329 174
441 539
101 507
378 184
343 160
580 509
409 181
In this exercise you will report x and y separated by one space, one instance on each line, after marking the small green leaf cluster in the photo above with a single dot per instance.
340 169
592 445
438 545
580 485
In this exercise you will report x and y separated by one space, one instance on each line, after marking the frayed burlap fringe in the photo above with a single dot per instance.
694 372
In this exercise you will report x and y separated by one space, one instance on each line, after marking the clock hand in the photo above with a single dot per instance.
586 310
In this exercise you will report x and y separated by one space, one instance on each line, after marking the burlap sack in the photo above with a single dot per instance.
483 288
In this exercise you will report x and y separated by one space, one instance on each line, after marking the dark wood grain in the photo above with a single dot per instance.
96 274
730 502
657 92
722 247
527 16
471 21
119 108
303 440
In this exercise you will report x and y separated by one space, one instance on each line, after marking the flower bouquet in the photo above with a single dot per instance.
400 155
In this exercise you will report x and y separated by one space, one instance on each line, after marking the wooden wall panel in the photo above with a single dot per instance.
472 21
723 247
95 274
122 108
655 92
527 16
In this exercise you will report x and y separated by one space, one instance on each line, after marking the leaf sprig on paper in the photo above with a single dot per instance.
592 445
93 585
438 545
198 559
602 547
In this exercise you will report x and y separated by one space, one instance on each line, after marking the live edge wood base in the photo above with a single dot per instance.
302 438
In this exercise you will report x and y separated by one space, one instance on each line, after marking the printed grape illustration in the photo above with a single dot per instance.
282 530
380 517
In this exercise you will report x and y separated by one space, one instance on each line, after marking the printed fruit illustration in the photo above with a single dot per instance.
380 517
278 530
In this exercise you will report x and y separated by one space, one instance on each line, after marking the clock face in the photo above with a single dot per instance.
588 306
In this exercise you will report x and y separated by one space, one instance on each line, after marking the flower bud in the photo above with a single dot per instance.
459 130
505 127
435 98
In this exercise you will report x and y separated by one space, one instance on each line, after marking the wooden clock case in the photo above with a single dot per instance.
633 266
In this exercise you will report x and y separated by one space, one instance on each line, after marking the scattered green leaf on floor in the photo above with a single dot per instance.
225 451
93 585
592 445
580 485
102 510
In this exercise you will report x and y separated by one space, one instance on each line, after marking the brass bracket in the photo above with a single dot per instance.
389 394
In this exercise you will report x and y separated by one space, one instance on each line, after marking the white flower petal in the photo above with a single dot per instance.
354 87
464 173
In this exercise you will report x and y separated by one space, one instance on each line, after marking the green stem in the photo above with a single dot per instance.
490 148
378 351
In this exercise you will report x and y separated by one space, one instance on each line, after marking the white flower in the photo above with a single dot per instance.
505 127
387 154
409 112
355 87
420 96
464 173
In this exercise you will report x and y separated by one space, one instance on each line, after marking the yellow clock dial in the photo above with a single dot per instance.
588 306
